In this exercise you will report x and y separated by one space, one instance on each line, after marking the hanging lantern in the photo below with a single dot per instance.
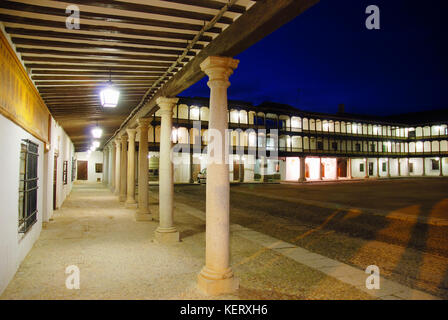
97 132
109 95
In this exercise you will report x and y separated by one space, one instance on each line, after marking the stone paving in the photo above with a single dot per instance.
119 260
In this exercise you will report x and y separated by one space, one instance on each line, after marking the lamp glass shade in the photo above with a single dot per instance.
96 144
109 97
97 132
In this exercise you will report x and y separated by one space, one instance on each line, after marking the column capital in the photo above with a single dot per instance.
131 133
166 105
123 137
143 122
219 69
117 141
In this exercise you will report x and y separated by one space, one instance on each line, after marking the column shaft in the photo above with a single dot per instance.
117 165
302 170
123 168
217 276
143 213
166 232
130 198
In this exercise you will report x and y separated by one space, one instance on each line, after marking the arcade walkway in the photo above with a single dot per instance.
118 259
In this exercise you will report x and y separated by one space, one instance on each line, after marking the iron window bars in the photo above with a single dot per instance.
29 154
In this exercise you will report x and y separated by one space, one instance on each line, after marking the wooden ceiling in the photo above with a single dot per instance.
141 44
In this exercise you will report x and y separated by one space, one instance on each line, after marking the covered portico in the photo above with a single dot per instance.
151 51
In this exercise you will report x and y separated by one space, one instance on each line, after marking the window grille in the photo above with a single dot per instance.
65 172
73 169
29 154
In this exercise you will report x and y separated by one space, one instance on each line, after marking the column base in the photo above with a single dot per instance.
166 235
122 198
131 204
214 287
142 216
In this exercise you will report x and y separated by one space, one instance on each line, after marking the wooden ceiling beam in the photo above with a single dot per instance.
60 67
103 78
210 4
104 38
144 8
92 15
102 57
100 47
96 72
101 28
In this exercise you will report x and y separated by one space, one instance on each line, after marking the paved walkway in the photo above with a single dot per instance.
118 259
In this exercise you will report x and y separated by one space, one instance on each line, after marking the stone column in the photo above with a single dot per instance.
191 164
366 169
166 232
440 167
105 152
123 167
240 169
217 276
117 165
143 213
424 166
130 198
399 167
377 167
302 170
112 166
409 172
388 167
349 168
320 168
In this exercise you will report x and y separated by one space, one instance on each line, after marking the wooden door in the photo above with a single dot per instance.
307 170
342 168
236 171
82 170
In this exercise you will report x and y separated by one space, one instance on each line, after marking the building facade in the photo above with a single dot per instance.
274 142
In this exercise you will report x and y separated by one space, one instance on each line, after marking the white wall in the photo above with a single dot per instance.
92 159
331 166
292 169
14 246
355 168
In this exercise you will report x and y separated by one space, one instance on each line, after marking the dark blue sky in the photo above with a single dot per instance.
326 56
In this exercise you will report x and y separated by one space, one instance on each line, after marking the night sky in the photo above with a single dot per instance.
327 56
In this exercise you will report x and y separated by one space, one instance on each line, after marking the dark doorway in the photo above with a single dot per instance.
55 179
322 166
342 168
82 170
370 168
